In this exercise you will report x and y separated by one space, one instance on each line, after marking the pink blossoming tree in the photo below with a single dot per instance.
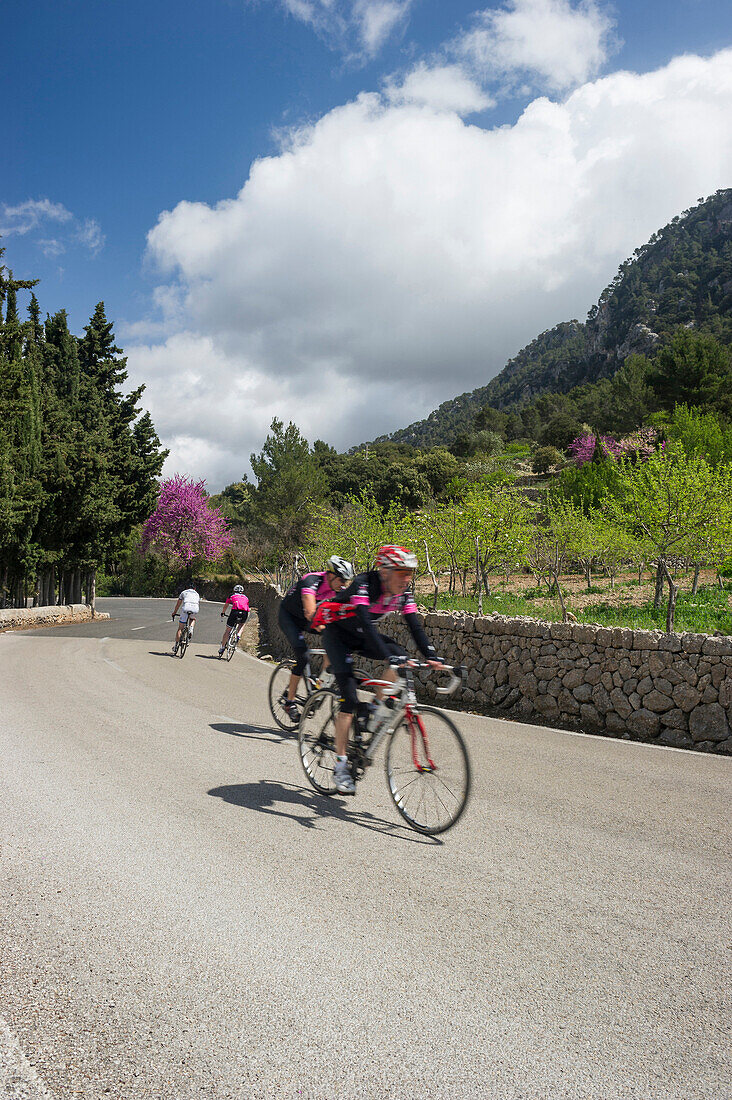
639 445
184 529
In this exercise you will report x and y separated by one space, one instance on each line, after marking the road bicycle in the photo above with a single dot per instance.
180 647
311 680
427 763
232 643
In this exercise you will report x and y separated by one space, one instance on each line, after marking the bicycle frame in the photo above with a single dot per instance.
408 707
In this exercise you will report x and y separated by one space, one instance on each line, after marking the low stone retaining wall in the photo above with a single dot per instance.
17 618
673 689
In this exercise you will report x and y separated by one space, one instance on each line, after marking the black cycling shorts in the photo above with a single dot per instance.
237 615
340 644
295 634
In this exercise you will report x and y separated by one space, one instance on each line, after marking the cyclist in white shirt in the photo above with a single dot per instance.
188 605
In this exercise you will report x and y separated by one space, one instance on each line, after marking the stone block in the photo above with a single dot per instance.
646 639
622 637
645 685
710 695
615 723
547 705
603 637
562 631
630 685
635 700
582 633
718 647
607 681
686 697
567 703
583 693
708 722
718 674
644 723
725 693
692 643
574 678
589 717
657 702
620 704
670 643
676 718
593 674
725 746
601 699
676 738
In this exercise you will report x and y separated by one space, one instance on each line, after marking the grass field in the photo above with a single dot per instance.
628 604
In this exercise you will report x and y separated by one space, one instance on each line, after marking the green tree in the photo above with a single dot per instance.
693 369
290 482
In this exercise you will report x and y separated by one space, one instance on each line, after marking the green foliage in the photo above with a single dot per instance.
289 483
546 459
77 461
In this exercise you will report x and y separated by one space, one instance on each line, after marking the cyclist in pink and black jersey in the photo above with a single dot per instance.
238 615
350 627
296 612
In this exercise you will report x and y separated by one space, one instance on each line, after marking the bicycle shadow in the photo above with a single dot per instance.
243 729
208 656
164 653
265 796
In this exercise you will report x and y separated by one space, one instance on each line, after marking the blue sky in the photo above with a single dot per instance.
433 184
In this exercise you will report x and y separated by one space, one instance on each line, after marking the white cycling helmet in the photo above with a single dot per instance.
340 567
239 589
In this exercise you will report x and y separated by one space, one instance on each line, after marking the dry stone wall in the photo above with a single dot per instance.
16 618
673 689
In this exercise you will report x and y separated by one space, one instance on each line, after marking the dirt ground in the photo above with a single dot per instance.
575 588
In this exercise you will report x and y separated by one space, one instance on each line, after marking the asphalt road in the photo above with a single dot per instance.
182 916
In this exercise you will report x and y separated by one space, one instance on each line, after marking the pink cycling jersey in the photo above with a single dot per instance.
238 601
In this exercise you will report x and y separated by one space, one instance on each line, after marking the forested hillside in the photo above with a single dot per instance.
681 277
78 463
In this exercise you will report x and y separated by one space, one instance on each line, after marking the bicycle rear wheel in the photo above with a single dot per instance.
183 644
231 645
428 770
279 683
316 741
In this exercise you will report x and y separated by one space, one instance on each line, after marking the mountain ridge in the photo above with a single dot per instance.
681 276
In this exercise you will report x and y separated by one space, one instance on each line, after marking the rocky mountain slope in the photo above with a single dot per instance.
682 276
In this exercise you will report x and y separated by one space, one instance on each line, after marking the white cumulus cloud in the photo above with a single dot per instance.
393 255
360 25
444 87
552 43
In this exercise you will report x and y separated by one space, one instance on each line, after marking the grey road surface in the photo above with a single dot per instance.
182 916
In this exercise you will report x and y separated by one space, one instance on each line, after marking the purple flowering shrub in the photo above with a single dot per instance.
639 445
184 528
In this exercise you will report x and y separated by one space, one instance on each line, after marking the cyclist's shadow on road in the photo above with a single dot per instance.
253 733
307 807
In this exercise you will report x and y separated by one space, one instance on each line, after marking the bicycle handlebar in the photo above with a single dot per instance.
403 665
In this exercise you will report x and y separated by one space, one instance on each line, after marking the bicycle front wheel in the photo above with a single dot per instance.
279 683
316 741
428 770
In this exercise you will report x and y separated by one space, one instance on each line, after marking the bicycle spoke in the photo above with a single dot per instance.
428 771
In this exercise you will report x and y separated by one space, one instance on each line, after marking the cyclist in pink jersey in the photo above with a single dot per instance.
239 613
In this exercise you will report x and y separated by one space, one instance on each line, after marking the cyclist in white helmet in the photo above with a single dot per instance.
296 612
